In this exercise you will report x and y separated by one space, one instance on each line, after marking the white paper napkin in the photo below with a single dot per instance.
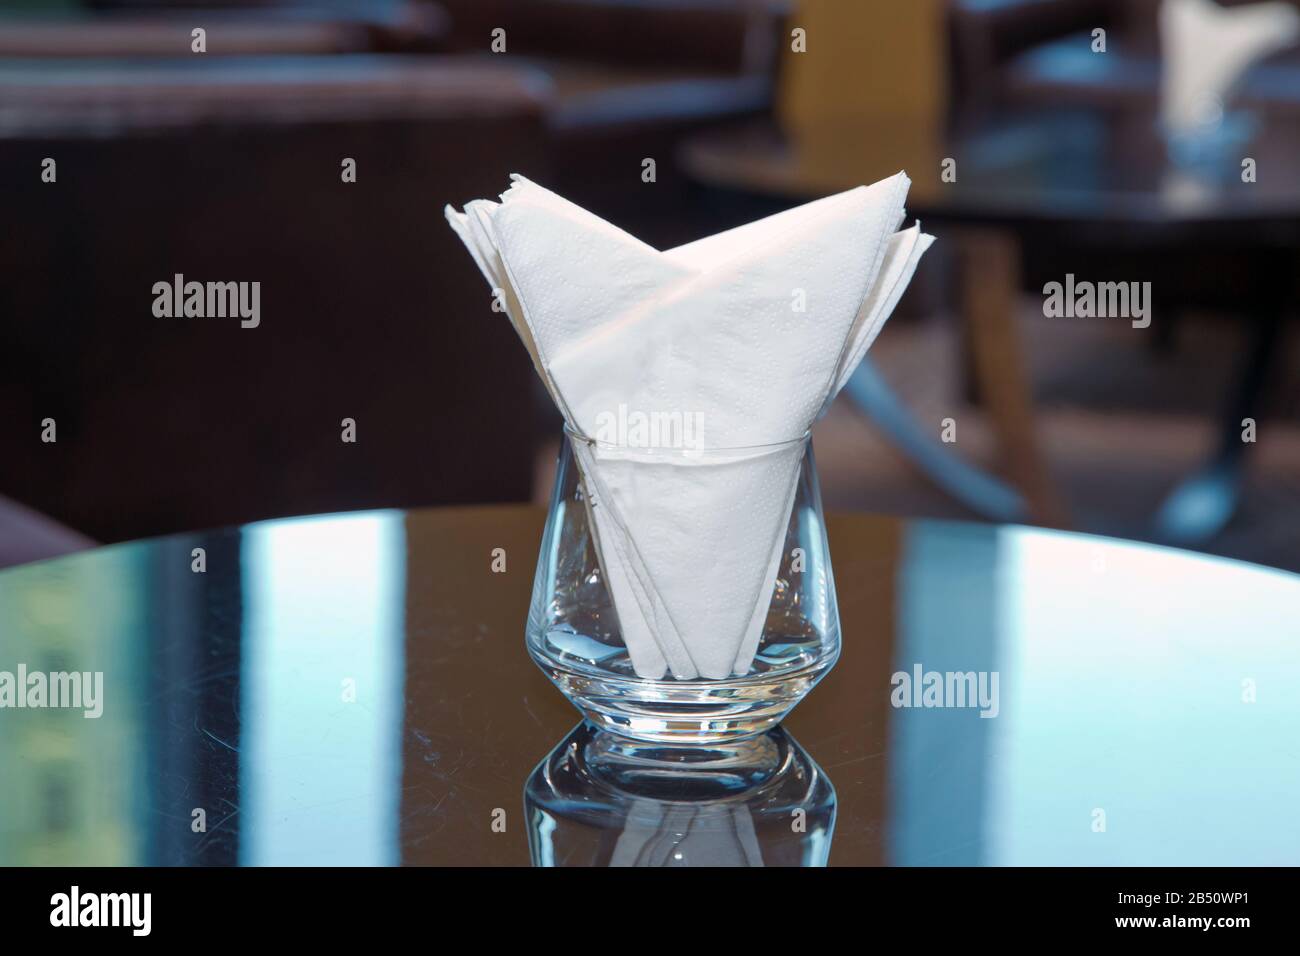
1205 48
751 331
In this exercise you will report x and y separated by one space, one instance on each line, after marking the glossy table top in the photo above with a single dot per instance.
354 689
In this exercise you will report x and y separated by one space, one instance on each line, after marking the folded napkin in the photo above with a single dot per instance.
748 333
1205 48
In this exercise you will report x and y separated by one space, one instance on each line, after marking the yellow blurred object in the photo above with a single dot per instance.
878 60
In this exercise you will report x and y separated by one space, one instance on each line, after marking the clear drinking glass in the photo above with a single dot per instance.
573 630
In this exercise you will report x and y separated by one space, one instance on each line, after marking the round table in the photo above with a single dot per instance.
354 689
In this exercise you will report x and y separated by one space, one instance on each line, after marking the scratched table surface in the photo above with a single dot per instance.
354 689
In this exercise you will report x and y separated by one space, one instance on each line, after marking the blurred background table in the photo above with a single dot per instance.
354 689
1032 194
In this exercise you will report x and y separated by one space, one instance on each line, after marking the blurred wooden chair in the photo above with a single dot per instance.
152 30
370 308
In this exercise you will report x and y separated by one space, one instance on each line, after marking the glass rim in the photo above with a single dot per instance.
573 433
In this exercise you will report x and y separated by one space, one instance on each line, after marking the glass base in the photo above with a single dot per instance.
599 799
684 712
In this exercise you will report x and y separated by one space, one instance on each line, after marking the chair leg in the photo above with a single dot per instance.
982 493
1202 504
990 283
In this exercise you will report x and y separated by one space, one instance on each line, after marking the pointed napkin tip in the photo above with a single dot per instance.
518 183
